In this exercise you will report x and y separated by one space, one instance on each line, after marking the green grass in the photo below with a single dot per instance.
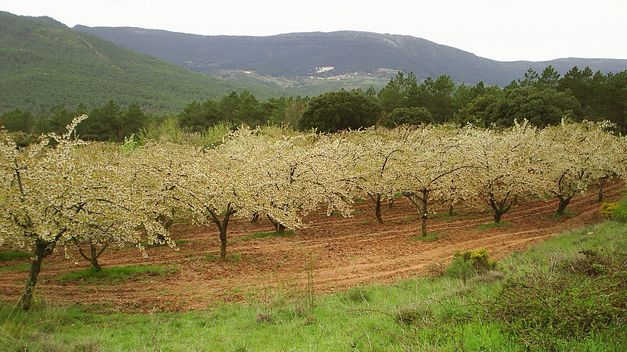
259 235
567 214
429 237
422 314
181 242
121 273
494 225
13 255
15 267
620 212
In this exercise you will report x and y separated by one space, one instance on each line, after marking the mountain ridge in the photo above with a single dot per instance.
293 55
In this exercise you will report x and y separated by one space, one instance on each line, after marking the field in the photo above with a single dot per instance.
331 254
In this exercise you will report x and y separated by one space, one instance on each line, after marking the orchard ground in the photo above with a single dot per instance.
332 254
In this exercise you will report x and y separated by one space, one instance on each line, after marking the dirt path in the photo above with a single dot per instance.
344 252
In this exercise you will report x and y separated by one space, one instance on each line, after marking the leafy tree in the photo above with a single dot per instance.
198 117
539 106
436 96
341 110
400 92
242 108
408 116
17 120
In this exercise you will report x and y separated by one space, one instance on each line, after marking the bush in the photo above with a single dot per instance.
607 209
580 296
408 116
336 111
470 263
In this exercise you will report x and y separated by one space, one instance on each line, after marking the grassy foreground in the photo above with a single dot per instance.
441 313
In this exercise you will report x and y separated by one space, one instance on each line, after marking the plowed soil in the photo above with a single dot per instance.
340 252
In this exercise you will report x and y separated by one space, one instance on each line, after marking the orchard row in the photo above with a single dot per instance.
66 192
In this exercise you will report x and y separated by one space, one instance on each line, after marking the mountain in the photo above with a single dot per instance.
43 63
335 55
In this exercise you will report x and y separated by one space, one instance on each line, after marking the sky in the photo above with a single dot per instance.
497 29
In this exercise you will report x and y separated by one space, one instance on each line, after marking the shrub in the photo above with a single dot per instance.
408 116
470 263
341 110
607 209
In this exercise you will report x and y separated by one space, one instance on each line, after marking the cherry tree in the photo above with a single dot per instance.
53 194
379 165
507 166
573 151
429 163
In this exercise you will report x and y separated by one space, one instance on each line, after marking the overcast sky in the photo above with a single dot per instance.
496 29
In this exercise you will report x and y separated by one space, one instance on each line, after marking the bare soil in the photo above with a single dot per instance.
343 252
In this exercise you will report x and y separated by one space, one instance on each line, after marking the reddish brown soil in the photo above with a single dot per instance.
344 252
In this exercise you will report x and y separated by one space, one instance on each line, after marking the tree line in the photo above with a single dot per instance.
541 98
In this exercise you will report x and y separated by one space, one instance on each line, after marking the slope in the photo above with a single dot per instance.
43 63
327 55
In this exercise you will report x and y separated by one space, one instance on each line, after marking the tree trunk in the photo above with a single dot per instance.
497 216
94 257
377 209
255 217
602 183
563 204
222 242
425 211
278 227
223 229
450 209
41 251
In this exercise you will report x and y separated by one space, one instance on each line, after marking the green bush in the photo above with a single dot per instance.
408 116
470 263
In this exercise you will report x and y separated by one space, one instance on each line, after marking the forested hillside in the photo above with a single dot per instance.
346 55
43 63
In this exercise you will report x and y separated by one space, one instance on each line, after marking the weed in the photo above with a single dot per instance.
567 214
358 295
14 255
264 317
258 235
494 225
413 315
429 237
121 273
16 267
